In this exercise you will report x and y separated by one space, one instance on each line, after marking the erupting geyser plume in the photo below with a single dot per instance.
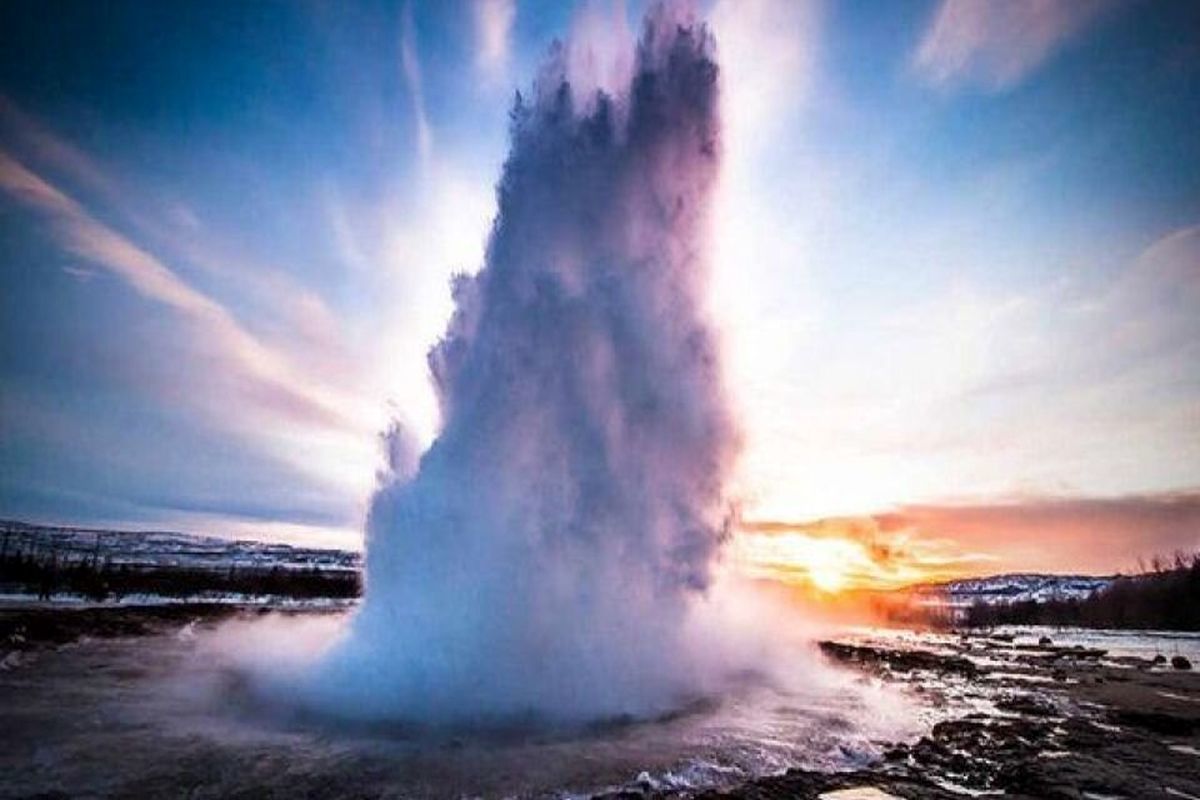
544 554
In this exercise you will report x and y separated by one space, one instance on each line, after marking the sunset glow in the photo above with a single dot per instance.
835 555
825 563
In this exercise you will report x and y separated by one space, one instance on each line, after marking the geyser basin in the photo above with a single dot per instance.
154 716
546 554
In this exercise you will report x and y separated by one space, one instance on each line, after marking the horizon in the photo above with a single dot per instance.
957 267
1144 564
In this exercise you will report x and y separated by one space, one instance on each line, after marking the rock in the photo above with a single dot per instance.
1159 659
1045 641
1156 721
1027 704
898 660
1180 662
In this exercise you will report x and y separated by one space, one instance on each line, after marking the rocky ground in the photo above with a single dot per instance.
1036 720
1052 722
25 628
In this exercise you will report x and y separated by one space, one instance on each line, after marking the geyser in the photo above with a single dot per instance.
544 554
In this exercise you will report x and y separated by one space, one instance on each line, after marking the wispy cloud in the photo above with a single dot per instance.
1158 298
493 31
288 316
995 44
265 372
18 125
1138 326
1082 385
93 241
410 64
1063 534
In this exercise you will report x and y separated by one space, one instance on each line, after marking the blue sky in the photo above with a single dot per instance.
958 262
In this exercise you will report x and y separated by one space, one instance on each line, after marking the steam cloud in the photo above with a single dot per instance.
544 554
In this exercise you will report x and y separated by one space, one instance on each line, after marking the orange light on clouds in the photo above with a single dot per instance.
825 563
929 544
845 554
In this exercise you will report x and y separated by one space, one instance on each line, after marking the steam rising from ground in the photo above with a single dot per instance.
544 555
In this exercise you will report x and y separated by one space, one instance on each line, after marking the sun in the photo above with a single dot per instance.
828 575
825 560
825 563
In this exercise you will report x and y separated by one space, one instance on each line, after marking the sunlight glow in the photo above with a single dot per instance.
846 554
827 564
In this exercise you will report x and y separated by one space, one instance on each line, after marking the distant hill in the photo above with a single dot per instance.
1012 588
54 561
166 549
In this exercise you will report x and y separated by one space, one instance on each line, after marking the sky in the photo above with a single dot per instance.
957 268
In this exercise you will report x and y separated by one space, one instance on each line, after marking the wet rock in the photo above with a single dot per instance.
1045 641
1180 662
1027 704
1159 659
1156 721
1089 653
30 628
898 660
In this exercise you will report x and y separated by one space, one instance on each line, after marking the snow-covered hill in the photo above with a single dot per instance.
1014 588
165 549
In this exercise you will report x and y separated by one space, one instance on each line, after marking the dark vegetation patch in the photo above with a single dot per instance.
1166 597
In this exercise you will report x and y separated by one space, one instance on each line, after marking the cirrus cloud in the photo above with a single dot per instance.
994 46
